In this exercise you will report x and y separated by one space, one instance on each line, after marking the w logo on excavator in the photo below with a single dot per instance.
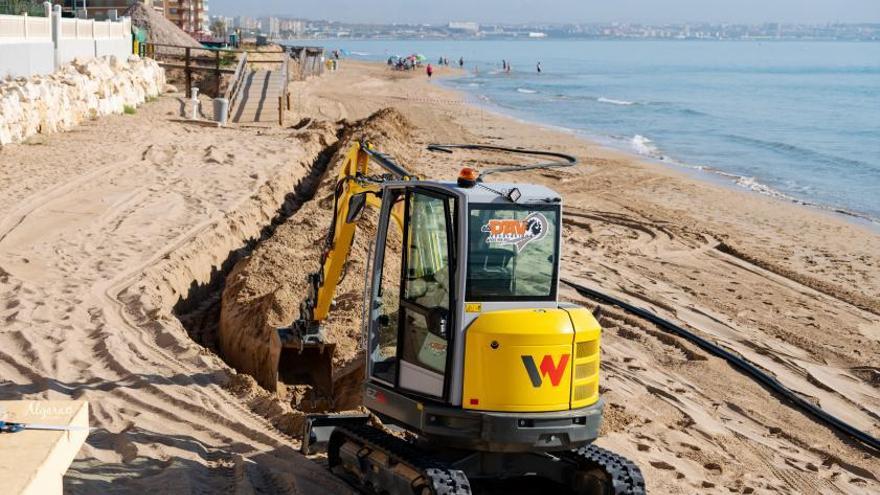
548 368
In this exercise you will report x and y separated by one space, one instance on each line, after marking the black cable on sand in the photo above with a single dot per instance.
737 362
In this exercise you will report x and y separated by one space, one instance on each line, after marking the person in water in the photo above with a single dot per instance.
461 62
539 68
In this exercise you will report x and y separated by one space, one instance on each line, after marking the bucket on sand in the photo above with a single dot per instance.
221 110
195 103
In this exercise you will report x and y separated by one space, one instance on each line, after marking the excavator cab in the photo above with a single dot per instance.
458 244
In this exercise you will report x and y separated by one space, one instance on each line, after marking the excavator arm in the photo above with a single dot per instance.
305 354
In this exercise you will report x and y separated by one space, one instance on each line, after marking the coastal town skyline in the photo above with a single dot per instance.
563 11
295 28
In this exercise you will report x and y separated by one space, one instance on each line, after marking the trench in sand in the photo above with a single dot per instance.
257 286
199 309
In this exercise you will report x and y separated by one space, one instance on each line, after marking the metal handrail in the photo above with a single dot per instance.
235 86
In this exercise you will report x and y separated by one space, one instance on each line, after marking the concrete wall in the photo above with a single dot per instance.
39 45
71 49
26 58
119 47
30 57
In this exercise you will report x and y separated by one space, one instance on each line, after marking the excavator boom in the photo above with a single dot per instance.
306 356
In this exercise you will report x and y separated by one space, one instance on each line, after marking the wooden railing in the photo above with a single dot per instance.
186 59
284 96
235 85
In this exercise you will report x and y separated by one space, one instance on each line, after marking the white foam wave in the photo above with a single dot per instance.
752 184
526 91
360 54
644 146
612 101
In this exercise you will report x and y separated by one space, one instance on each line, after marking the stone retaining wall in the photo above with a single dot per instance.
78 91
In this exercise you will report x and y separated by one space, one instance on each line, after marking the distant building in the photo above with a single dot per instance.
246 23
226 21
189 15
93 9
533 34
270 26
292 26
470 27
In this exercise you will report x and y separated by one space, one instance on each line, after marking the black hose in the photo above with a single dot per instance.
562 160
736 361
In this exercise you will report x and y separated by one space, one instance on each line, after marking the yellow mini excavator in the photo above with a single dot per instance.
491 382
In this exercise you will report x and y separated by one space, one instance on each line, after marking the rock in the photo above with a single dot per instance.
81 90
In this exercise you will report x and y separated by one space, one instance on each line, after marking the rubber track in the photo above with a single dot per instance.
443 481
626 477
835 423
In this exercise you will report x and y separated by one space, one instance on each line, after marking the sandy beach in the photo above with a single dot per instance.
116 239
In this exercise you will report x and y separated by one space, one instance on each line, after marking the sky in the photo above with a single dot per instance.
518 11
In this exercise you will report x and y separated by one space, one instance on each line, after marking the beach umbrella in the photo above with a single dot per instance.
420 57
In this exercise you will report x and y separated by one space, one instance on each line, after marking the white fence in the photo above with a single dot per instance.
25 27
39 45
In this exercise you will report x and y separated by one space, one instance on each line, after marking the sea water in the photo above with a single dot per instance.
796 120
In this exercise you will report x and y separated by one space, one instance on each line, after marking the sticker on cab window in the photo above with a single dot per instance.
518 233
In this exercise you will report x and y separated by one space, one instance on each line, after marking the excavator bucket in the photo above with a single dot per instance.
307 364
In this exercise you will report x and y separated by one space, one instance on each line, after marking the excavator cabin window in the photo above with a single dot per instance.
412 331
426 293
513 252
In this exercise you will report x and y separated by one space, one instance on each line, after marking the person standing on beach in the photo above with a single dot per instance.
430 71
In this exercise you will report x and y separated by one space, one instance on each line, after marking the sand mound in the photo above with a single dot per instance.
159 29
264 290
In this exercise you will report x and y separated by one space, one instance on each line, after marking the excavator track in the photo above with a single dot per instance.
624 476
377 451
428 476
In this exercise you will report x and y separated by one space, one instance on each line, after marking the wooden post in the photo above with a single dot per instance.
280 111
188 72
287 94
217 75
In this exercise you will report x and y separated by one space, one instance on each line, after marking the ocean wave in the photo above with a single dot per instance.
644 146
804 153
526 91
752 184
612 101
